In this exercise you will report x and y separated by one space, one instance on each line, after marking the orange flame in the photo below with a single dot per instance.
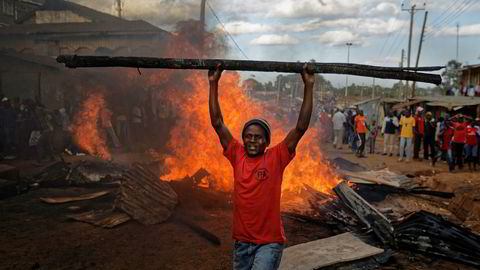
85 129
195 144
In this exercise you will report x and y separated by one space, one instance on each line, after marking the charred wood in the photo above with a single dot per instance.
397 73
370 217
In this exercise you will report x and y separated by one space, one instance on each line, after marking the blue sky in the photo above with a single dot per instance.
291 30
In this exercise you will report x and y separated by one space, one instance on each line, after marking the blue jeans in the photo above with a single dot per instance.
250 256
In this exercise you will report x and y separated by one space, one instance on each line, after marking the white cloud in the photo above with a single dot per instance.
242 27
338 38
466 30
371 26
274 40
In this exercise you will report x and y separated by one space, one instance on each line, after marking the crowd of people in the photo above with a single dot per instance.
452 139
26 128
29 130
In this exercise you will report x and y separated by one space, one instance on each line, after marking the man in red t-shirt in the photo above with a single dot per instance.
458 141
258 174
419 130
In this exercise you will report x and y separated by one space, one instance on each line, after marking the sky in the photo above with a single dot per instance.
300 30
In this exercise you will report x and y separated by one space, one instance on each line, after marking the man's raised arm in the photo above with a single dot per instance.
214 107
296 134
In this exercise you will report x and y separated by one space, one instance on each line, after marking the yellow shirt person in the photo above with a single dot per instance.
407 124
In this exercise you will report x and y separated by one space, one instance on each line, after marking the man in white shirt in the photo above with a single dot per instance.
338 126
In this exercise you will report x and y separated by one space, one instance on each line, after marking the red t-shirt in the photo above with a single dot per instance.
257 191
419 124
471 136
447 137
459 132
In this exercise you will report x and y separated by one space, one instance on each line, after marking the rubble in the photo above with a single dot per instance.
420 231
103 218
145 197
83 197
9 172
62 174
325 252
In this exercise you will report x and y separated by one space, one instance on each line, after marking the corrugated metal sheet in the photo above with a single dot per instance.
406 104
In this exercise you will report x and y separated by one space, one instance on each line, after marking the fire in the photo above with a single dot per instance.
85 129
195 144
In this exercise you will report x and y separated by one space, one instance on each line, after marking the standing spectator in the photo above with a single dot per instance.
476 125
408 124
122 126
439 135
348 127
471 147
354 138
389 128
373 136
429 139
458 140
360 127
338 126
137 122
106 120
419 130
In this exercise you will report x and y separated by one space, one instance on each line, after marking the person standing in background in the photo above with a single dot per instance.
361 126
406 136
429 139
418 132
389 129
339 121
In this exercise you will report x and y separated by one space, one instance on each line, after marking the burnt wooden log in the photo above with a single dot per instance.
396 73
145 197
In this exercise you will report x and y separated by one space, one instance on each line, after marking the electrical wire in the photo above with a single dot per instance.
225 30
459 12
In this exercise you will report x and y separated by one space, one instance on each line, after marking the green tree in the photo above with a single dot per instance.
450 74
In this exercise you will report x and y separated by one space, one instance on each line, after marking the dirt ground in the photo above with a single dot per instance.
35 235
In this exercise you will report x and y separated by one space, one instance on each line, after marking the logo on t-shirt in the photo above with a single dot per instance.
261 174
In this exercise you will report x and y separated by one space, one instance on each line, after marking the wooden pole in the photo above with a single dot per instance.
74 61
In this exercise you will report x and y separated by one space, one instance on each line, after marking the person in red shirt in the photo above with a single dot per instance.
419 131
459 140
471 147
258 174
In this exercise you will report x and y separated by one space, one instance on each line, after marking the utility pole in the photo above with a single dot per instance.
279 82
412 11
458 37
202 26
373 89
348 61
402 93
420 49
119 7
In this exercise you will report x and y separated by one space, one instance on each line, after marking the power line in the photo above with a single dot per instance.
225 30
438 18
389 34
459 12
453 13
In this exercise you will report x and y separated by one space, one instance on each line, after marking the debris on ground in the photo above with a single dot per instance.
145 197
103 218
325 252
83 197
